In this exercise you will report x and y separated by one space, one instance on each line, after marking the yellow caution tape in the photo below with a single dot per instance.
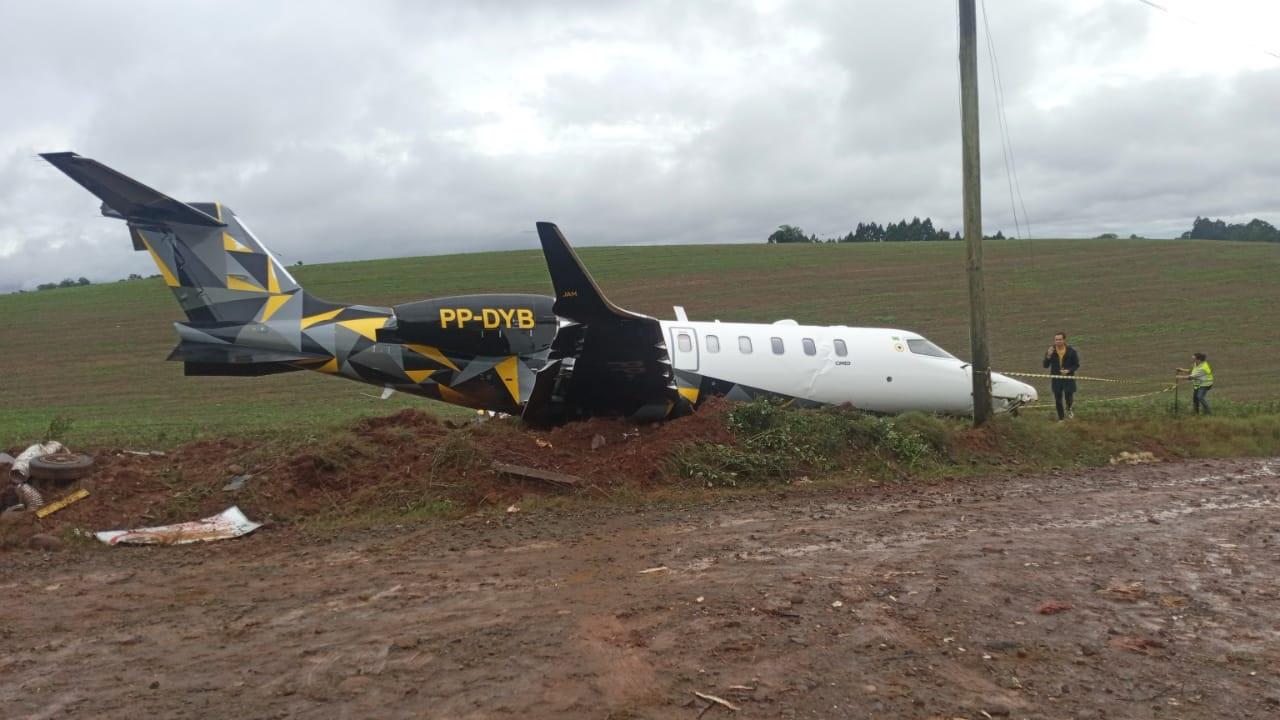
54 507
1080 377
1047 376
1039 405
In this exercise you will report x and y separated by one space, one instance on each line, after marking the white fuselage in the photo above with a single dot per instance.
875 369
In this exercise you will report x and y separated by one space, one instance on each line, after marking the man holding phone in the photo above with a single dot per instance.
1063 361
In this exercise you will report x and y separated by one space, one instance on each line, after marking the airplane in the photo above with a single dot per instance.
546 359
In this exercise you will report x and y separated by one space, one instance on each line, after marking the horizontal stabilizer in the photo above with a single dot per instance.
213 353
194 369
125 197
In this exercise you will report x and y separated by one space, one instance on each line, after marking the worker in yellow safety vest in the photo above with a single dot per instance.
1201 377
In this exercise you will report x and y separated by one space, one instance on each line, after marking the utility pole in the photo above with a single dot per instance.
973 212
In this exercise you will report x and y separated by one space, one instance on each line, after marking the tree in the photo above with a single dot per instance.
1255 230
788 234
1206 229
868 232
911 230
83 281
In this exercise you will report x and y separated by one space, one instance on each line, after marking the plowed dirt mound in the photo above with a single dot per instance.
399 462
624 453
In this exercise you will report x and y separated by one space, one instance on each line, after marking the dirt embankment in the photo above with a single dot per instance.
382 464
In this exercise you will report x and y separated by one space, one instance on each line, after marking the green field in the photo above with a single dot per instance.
1135 309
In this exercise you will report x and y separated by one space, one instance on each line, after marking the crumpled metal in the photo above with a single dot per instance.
22 464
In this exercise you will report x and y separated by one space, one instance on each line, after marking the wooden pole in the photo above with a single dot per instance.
972 169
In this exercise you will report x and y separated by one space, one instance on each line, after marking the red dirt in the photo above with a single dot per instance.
632 454
380 459
1053 608
890 602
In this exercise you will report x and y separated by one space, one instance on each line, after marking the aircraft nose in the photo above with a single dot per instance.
1013 392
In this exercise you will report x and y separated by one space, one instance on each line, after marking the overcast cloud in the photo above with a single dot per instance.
346 131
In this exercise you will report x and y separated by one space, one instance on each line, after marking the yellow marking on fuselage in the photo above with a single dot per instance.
274 303
309 321
165 272
329 367
509 371
689 393
418 375
432 353
230 244
450 395
237 283
273 284
367 327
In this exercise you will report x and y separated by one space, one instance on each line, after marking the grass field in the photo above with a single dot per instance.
1135 310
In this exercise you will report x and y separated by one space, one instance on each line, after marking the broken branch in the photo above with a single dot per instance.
716 700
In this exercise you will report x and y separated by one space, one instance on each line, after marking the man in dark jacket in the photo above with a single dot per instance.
1062 359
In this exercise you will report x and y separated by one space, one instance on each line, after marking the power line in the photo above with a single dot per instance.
996 94
1192 21
1006 137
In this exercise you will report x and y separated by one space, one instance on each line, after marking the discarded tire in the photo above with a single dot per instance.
63 466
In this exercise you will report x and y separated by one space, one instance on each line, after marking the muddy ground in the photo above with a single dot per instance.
1130 592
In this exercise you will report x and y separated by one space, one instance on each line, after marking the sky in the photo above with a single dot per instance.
344 131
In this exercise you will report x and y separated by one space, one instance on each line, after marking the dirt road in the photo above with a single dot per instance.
1143 592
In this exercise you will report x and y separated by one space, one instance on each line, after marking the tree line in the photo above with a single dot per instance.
1253 231
915 231
66 282
918 230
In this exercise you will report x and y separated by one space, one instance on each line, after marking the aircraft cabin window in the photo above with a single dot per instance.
713 344
924 347
841 348
778 349
809 347
684 343
744 344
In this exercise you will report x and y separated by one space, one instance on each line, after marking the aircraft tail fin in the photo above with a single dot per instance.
578 297
217 269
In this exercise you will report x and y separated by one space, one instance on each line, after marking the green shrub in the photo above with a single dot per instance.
58 429
776 442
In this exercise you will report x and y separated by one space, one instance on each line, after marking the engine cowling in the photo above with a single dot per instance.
477 324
